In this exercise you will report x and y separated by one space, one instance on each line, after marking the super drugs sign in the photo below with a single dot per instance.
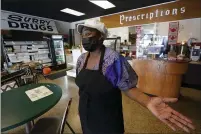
16 21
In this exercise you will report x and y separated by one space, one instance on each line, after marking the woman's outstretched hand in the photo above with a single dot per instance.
168 115
161 110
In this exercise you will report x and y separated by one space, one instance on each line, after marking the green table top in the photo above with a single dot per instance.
17 109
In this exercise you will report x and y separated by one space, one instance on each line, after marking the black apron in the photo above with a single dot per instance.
100 104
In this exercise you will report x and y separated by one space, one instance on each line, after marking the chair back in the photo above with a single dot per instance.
27 70
9 85
65 116
30 76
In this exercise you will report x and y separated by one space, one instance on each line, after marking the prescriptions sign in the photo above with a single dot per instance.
171 11
15 21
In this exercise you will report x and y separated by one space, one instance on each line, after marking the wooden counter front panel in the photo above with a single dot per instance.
158 77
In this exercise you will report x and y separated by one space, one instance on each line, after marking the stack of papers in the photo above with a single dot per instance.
38 93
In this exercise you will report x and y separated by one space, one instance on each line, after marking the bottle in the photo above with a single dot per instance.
10 64
5 66
172 54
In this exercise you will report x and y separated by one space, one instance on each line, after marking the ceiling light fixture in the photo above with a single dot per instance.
71 11
103 3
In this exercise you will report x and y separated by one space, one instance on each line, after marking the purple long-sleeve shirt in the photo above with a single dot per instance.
115 68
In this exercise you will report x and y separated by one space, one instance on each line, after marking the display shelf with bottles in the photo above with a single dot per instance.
59 51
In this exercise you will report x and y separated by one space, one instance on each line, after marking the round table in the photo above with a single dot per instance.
17 109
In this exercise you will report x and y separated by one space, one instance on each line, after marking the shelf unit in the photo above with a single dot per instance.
113 43
59 51
71 73
72 62
128 48
27 51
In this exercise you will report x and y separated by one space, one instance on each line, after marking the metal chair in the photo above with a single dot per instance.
10 81
29 76
52 125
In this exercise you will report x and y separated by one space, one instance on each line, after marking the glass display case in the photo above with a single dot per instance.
58 51
28 51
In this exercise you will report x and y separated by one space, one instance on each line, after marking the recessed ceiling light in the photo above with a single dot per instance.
71 11
103 3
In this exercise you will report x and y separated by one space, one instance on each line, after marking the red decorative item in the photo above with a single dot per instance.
173 33
173 29
138 31
196 44
172 37
46 70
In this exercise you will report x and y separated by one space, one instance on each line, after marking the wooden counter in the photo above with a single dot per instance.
160 78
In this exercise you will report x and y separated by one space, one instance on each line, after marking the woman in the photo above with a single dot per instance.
101 76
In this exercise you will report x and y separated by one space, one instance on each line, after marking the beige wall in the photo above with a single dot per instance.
162 28
188 28
121 31
62 27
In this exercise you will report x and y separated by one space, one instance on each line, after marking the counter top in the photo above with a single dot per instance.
171 61
177 61
194 62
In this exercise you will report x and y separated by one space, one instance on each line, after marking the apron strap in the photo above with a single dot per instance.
85 63
101 59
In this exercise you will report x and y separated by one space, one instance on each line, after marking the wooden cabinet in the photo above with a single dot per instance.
192 77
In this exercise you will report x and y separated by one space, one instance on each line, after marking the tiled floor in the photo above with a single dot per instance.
137 119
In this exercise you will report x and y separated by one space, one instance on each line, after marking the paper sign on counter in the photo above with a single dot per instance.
38 93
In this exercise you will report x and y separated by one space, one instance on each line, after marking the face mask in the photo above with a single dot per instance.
90 44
